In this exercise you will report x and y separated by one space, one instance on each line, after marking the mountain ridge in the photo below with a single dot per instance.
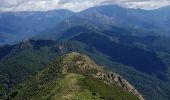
74 64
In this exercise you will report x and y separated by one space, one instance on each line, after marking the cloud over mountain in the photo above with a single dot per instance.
75 5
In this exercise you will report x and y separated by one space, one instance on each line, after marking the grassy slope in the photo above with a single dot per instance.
63 79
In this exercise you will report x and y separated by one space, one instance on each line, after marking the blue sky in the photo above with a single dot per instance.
75 5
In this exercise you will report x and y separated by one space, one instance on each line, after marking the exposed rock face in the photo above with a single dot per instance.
117 79
26 44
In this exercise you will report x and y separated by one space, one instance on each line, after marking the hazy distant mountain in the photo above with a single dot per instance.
51 24
152 20
16 26
140 22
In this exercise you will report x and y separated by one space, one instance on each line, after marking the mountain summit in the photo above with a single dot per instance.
72 77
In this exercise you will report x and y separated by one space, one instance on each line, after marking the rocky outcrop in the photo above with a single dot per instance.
117 79
26 44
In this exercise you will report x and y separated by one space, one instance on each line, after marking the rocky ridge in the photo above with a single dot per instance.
117 79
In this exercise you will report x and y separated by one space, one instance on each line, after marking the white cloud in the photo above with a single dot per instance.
146 4
75 5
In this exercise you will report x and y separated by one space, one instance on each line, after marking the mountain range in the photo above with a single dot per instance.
132 44
24 25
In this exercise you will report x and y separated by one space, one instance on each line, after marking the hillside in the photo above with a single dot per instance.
75 76
17 62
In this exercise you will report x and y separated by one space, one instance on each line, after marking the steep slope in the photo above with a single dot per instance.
75 76
133 56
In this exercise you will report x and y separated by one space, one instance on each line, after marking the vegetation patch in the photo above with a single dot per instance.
105 90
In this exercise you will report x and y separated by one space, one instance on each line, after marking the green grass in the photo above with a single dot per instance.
105 90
